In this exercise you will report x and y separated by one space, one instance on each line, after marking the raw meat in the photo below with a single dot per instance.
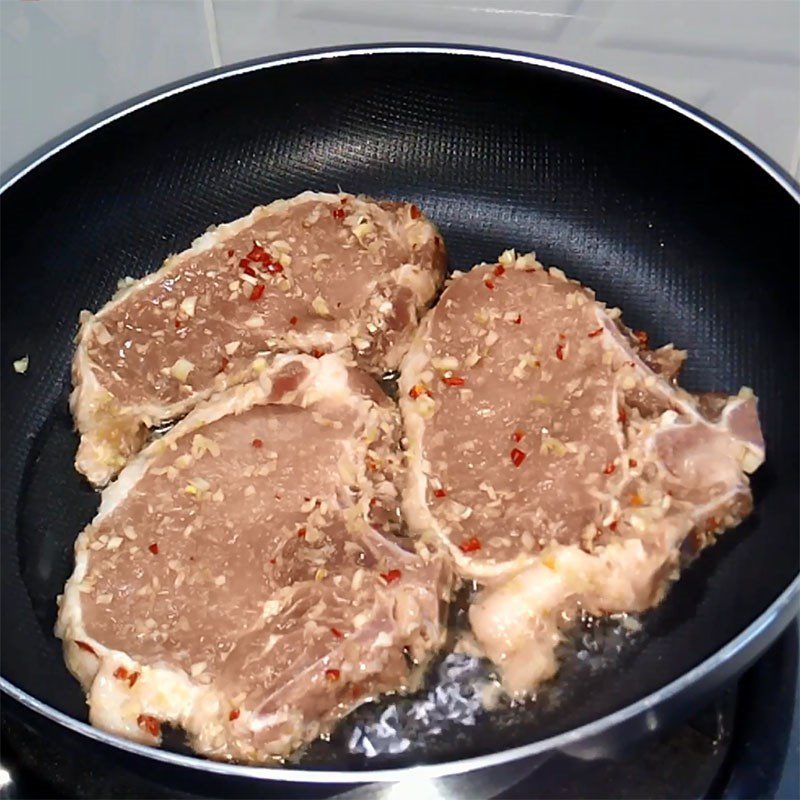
244 578
553 455
316 273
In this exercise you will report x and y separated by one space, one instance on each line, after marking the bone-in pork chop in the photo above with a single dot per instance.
553 455
244 579
316 273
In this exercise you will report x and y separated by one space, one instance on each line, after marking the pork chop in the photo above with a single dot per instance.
244 579
316 273
554 456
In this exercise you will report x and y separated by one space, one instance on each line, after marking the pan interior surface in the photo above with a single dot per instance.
662 217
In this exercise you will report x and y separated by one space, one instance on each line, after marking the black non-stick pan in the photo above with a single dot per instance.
665 213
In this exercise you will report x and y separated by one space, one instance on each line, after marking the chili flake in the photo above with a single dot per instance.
317 353
149 723
632 462
258 253
609 468
338 213
133 678
257 292
415 212
622 416
121 673
391 575
613 525
636 500
596 332
489 284
332 674
439 493
223 365
453 380
517 456
234 714
560 352
153 548
499 270
293 320
337 633
257 443
470 546
248 270
518 435
230 253
301 533
518 320
642 337
416 390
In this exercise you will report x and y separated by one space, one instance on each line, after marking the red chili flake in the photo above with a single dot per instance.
317 353
338 213
332 674
293 320
178 323
415 212
121 673
454 380
632 462
470 546
257 443
337 633
133 678
243 263
257 292
153 548
391 575
301 533
230 253
248 270
636 500
273 561
223 364
87 647
518 436
517 456
234 714
489 284
149 723
518 320
373 502
609 468
642 338
439 493
622 416
499 270
560 352
596 332
416 390
613 525
258 253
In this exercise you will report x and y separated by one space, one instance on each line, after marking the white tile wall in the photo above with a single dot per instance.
63 60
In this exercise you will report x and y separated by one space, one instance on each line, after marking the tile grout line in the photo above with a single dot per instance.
213 35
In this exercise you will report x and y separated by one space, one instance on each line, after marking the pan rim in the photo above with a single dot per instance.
779 612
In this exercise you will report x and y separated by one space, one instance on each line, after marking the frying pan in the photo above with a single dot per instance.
664 212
